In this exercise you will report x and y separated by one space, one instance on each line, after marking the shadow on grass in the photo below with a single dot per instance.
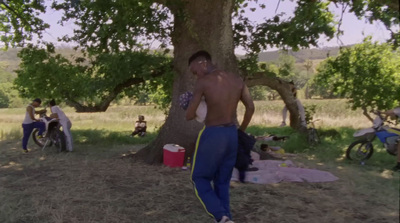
106 137
334 143
333 146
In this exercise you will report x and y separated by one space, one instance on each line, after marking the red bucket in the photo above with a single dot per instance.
174 155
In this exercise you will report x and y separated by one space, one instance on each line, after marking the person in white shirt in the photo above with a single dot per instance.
30 123
64 121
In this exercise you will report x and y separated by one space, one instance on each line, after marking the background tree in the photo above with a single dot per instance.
20 22
321 89
89 85
8 95
283 68
368 74
308 65
115 26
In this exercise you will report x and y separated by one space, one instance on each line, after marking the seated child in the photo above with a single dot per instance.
140 127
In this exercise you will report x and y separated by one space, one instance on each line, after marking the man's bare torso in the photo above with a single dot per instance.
222 92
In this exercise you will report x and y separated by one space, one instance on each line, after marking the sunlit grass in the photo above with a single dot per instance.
93 183
114 126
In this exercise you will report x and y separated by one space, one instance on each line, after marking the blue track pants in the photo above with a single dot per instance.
213 161
28 128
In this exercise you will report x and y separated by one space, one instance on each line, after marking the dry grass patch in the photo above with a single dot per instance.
86 186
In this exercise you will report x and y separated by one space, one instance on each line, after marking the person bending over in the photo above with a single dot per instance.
30 122
216 147
64 122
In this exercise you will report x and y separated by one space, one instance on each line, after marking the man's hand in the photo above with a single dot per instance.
41 111
54 115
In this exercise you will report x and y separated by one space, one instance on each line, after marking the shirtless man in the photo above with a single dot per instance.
217 143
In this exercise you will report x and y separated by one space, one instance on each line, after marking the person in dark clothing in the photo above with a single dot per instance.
243 160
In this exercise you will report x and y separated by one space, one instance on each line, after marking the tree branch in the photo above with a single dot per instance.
283 89
14 12
366 114
106 101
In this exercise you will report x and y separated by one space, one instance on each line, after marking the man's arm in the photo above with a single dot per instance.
40 111
249 105
29 109
196 99
54 115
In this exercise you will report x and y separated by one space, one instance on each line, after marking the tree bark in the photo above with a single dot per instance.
204 25
366 114
198 25
283 88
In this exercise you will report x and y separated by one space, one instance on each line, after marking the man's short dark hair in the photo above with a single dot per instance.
52 102
201 53
37 100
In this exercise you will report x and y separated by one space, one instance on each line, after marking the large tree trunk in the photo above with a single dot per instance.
198 25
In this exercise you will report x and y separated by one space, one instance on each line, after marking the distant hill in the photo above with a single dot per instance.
9 60
302 55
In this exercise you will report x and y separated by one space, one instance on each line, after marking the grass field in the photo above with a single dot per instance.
95 184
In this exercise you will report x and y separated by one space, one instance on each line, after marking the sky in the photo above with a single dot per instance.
355 30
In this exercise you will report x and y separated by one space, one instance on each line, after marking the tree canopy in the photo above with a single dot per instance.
91 84
368 74
125 27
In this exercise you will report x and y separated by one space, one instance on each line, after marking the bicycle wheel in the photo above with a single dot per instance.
58 139
360 150
40 141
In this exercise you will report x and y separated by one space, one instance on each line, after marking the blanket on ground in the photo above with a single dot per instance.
275 171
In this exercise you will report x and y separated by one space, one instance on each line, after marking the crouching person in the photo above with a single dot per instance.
64 122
